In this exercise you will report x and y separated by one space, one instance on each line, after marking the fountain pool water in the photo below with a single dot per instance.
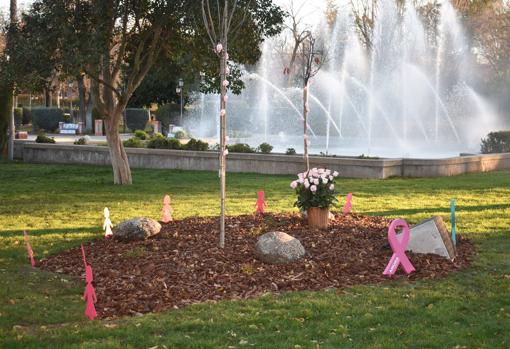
413 94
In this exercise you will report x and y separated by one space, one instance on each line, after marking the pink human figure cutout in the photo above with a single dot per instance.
167 210
29 249
348 204
107 225
399 248
90 294
261 203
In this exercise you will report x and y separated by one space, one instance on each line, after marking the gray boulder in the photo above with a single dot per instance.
278 248
136 229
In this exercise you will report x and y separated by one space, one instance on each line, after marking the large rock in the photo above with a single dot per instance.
278 248
431 236
136 229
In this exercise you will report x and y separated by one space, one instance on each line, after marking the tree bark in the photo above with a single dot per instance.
120 162
223 147
82 103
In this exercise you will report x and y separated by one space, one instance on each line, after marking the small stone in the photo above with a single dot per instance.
136 229
278 248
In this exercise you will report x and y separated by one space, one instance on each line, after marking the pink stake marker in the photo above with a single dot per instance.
348 204
29 249
261 203
167 210
89 295
399 248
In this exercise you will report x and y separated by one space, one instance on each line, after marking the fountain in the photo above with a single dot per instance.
411 95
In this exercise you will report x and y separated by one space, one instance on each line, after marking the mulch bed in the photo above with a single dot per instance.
184 265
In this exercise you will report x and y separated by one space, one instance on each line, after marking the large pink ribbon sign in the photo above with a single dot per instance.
399 248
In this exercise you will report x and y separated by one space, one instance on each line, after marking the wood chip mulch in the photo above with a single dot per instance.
184 265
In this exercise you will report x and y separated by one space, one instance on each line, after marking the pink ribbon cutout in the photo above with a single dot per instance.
348 204
29 249
399 248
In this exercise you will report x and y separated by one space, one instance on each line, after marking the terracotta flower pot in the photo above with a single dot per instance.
318 217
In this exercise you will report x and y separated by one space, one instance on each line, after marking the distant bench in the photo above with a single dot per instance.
70 129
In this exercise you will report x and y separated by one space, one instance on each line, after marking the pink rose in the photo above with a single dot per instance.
223 112
219 48
335 174
225 83
294 184
332 187
307 184
313 188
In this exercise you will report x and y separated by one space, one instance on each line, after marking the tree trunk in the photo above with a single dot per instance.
120 162
305 126
223 146
81 97
47 97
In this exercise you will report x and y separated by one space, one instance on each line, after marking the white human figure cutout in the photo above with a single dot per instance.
107 225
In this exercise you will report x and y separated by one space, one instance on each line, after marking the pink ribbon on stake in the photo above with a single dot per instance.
29 249
348 204
399 248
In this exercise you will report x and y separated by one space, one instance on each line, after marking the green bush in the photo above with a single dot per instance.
82 140
136 118
141 135
496 142
159 141
290 151
42 138
168 114
196 144
181 135
47 118
240 148
265 148
27 116
133 142
18 117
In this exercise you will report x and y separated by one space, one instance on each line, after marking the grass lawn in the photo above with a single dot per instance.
61 206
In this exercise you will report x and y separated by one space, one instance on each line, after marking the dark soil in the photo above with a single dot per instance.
184 265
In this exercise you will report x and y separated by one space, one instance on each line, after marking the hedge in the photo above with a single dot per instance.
27 116
47 118
496 142
136 118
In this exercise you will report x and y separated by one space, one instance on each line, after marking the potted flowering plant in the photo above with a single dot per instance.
315 191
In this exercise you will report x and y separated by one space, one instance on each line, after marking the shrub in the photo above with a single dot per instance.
174 143
240 148
315 188
290 151
42 138
141 135
181 135
496 142
265 148
133 142
196 144
136 118
82 140
47 118
159 141
27 116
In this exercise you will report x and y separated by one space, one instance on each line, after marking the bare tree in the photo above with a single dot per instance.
313 59
218 20
364 12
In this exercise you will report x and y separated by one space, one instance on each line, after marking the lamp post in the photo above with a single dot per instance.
179 90
12 125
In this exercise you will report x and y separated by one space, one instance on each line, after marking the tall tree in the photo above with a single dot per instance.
224 21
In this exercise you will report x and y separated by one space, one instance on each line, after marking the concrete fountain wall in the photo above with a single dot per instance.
262 163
